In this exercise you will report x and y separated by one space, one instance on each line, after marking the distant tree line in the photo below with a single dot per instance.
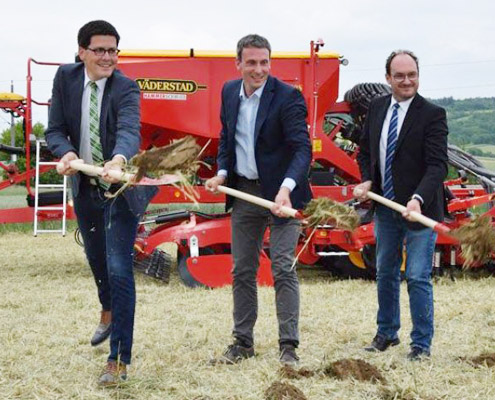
471 122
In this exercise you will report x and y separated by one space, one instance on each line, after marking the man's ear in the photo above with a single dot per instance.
81 53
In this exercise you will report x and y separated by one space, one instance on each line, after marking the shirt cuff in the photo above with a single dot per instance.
123 157
289 183
222 172
418 197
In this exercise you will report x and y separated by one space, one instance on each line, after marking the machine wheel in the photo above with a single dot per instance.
360 97
184 273
343 267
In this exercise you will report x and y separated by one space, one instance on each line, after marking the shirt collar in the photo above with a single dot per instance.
100 83
403 105
258 92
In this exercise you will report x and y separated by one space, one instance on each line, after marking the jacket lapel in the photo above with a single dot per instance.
378 125
266 99
233 100
105 102
76 92
412 114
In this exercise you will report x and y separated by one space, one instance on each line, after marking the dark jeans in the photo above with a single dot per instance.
249 223
391 232
109 230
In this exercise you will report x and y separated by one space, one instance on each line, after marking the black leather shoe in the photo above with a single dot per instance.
418 354
101 334
235 353
381 343
288 355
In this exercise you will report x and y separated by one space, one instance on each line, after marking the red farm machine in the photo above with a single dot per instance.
180 95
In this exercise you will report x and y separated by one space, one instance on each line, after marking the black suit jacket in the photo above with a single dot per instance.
420 161
119 123
282 145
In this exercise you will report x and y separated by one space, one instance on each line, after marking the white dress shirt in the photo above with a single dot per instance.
401 114
245 140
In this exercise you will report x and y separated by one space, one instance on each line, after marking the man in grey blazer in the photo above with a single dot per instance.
94 115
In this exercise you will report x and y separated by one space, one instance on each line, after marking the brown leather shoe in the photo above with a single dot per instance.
113 374
103 329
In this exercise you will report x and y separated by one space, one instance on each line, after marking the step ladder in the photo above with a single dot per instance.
61 186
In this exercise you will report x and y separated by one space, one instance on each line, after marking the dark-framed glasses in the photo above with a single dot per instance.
412 76
100 51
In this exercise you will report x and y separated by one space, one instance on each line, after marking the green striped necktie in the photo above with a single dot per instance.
94 132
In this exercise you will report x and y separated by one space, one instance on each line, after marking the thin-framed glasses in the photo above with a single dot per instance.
412 76
100 51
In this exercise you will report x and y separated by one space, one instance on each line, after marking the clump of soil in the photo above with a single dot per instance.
487 359
291 373
477 240
180 156
283 391
354 368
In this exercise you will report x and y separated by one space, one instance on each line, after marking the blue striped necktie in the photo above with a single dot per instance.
94 131
388 185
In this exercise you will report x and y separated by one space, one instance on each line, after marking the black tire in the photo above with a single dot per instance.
360 97
342 267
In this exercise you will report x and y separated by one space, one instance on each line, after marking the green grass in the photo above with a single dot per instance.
483 147
488 162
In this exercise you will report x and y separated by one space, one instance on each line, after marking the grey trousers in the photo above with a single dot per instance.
249 223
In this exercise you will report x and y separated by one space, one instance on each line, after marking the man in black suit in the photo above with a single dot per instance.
403 155
94 116
264 150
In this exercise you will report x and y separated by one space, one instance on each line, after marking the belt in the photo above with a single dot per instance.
241 178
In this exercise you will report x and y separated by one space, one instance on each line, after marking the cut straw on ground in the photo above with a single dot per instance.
49 310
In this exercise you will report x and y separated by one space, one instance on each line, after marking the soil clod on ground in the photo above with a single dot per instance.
283 391
354 368
487 359
291 373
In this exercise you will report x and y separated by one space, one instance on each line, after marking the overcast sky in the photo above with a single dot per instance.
454 40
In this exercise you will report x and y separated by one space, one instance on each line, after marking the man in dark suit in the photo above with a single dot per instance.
403 156
264 150
94 116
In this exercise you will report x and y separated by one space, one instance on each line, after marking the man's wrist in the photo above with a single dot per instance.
417 197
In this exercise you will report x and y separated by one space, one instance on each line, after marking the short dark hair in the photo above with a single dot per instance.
93 28
252 40
399 52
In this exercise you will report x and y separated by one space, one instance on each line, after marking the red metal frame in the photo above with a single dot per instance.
24 109
196 112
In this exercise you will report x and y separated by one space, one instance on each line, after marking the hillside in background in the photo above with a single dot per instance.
471 124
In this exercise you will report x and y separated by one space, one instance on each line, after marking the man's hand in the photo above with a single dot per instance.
282 199
412 205
63 167
212 183
115 164
361 191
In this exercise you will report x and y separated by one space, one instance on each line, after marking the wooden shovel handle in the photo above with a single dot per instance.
291 212
422 219
93 170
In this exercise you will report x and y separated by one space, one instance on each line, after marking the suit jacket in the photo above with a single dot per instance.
282 145
420 161
119 123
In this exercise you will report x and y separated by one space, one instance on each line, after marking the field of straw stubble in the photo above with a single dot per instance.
48 310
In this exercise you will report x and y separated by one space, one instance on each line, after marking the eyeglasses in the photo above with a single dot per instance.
100 51
412 76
